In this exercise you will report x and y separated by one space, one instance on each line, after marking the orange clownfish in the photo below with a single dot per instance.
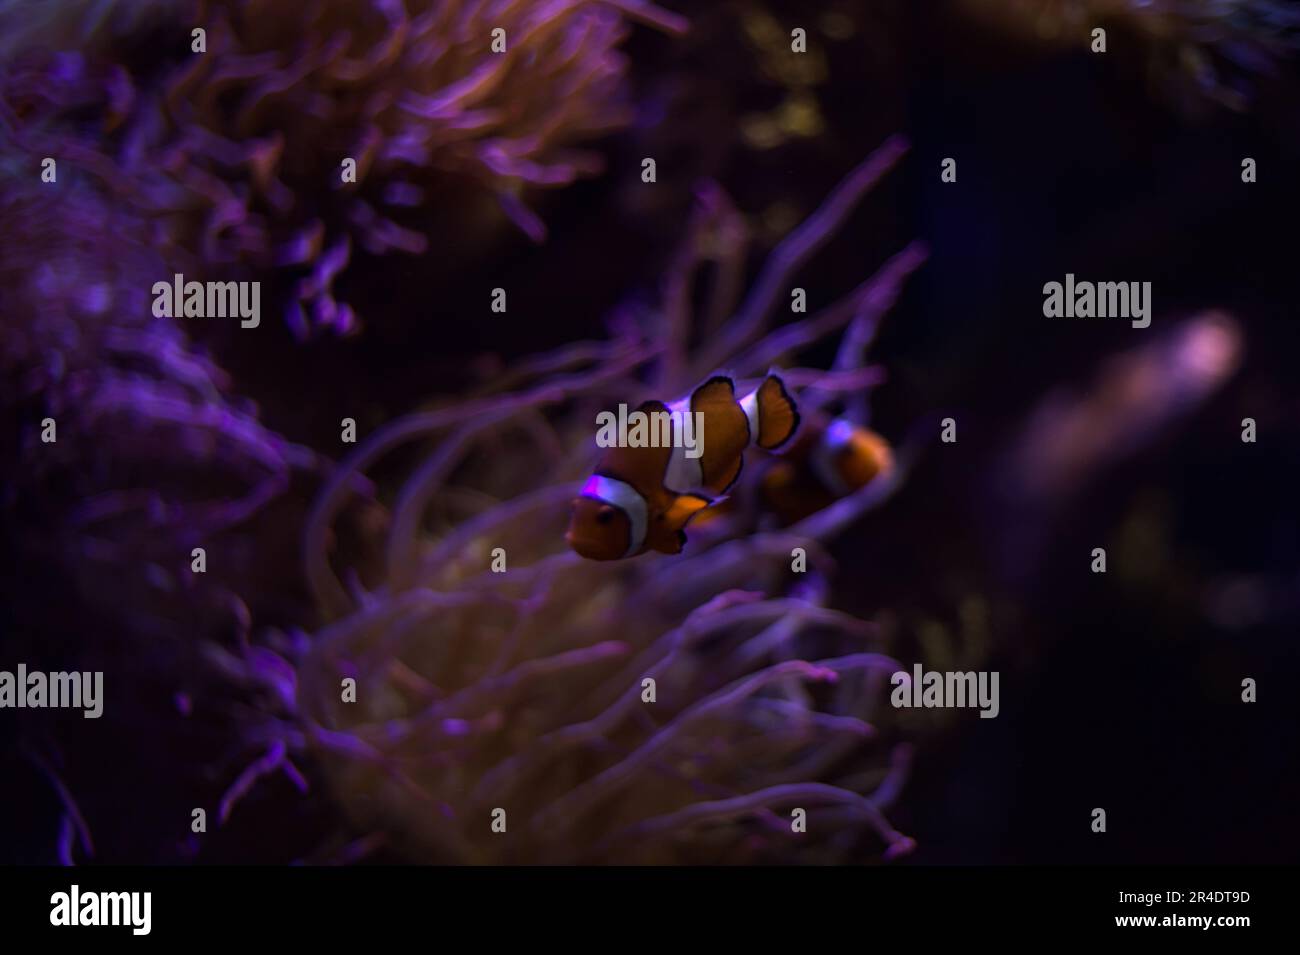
831 459
641 498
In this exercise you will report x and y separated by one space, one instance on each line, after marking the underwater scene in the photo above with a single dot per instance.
615 432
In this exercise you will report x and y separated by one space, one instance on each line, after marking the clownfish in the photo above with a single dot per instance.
641 498
831 459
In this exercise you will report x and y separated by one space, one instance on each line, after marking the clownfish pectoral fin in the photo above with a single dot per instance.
778 418
682 509
667 535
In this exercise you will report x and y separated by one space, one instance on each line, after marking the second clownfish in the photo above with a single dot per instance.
641 498
831 459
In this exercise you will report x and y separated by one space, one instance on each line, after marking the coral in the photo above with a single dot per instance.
523 690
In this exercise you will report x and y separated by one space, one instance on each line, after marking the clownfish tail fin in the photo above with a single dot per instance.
778 416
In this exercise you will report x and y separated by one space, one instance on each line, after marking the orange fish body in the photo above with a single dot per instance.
641 498
829 460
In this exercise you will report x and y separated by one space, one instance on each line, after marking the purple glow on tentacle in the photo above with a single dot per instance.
797 248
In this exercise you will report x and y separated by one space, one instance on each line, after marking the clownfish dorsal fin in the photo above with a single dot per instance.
718 389
728 432
778 417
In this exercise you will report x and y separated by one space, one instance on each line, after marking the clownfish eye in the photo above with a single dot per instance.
605 515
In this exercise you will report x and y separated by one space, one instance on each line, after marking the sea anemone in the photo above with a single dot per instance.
476 676
241 149
131 449
127 451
